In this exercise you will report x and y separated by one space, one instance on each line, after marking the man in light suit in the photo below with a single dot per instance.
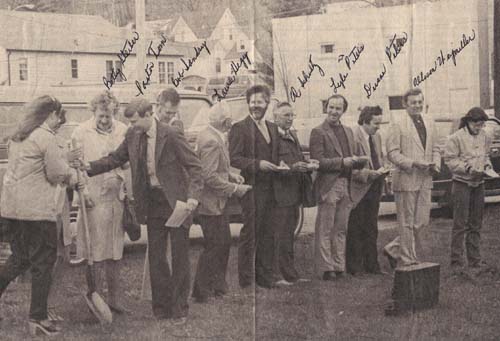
253 150
167 108
164 170
412 148
220 184
362 231
332 144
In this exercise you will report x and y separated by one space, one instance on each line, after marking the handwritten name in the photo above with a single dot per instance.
350 60
441 59
127 48
235 67
306 76
159 47
141 86
189 63
115 73
392 52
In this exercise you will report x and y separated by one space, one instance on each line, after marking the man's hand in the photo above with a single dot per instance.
421 164
241 190
74 154
267 166
191 204
236 178
434 170
348 162
476 172
300 167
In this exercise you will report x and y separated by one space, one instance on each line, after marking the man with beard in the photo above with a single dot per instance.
253 150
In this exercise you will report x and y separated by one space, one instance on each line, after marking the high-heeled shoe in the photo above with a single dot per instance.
45 326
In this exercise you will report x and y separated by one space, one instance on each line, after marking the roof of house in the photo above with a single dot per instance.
55 32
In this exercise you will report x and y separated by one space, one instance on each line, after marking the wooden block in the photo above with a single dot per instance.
416 286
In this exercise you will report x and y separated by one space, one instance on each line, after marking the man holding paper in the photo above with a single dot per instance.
466 154
164 170
220 184
362 230
412 148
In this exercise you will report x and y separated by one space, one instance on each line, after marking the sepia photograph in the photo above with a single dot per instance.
250 170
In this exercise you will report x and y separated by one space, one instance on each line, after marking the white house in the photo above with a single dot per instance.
414 36
49 49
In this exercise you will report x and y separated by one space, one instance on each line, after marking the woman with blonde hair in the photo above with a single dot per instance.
28 203
97 137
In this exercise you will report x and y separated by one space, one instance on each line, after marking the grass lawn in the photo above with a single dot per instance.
349 309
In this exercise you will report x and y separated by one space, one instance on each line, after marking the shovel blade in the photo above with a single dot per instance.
99 308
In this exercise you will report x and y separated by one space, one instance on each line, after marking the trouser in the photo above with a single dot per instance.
285 221
362 233
256 242
413 209
170 291
33 245
468 205
331 227
212 265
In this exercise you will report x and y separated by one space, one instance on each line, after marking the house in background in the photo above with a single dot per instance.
421 31
50 49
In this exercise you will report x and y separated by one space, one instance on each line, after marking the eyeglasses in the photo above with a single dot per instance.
289 116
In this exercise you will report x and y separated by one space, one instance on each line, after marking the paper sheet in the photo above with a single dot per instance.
180 213
491 173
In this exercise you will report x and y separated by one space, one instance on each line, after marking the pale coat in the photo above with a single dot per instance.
214 157
36 166
364 178
404 146
105 218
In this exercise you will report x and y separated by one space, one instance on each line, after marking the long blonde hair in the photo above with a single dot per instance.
36 113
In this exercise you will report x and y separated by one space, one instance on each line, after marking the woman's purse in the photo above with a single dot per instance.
130 224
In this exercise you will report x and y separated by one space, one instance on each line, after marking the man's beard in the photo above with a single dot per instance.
258 112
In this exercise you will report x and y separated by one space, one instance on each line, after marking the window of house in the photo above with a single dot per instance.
109 69
327 48
161 73
23 69
242 45
230 36
74 68
170 71
218 65
396 103
119 66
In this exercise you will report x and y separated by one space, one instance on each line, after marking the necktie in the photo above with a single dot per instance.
373 153
288 136
420 126
263 129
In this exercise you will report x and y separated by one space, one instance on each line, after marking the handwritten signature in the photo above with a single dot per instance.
306 76
350 60
115 73
124 53
159 47
392 52
189 64
441 60
141 86
235 67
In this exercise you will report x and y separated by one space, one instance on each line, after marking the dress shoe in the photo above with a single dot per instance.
339 274
179 321
266 284
119 309
329 276
52 315
44 326
393 262
283 283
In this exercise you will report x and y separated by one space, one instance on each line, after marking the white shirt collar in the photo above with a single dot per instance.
366 136
221 134
45 126
257 121
152 130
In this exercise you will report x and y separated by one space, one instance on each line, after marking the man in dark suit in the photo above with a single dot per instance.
253 150
292 188
164 170
332 144
167 108
362 230
220 185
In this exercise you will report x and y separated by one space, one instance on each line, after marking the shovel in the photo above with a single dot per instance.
95 302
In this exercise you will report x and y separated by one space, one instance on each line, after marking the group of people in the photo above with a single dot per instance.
152 163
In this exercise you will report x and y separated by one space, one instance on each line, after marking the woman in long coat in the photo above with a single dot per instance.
97 137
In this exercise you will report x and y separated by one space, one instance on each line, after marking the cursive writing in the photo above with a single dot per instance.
235 67
127 48
395 46
349 60
371 88
189 63
159 47
306 75
441 60
141 86
115 73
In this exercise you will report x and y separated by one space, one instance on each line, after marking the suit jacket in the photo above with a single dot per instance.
247 147
214 157
404 146
365 178
292 188
325 147
177 167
